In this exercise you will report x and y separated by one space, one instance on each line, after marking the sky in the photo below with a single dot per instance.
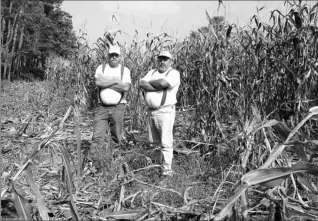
176 18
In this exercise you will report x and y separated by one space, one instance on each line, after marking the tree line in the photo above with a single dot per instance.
31 30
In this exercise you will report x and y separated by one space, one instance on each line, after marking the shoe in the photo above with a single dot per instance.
167 172
91 163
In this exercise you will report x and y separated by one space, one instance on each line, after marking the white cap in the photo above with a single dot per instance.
165 54
114 49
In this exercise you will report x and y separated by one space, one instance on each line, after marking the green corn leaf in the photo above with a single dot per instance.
282 131
271 176
314 110
267 123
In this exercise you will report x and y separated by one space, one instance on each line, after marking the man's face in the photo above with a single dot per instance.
113 59
164 63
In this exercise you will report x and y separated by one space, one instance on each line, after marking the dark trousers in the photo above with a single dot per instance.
108 117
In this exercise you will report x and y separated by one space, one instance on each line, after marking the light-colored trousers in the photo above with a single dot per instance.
160 126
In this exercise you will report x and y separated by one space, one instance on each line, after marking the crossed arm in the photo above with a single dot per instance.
114 84
154 85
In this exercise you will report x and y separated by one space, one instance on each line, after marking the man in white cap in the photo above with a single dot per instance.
113 81
161 86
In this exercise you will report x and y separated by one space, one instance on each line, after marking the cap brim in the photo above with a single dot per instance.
163 56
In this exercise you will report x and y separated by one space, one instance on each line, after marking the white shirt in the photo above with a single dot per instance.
109 96
153 99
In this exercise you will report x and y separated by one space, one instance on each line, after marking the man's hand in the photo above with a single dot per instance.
120 87
147 86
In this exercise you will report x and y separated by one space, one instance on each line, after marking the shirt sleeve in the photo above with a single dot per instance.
173 78
126 76
98 70
147 76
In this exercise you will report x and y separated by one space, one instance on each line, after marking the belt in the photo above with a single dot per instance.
162 107
113 105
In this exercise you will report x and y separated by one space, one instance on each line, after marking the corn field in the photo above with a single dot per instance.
246 131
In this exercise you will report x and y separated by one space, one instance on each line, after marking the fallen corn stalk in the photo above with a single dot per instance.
41 145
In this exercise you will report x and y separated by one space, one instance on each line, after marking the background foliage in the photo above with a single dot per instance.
31 31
